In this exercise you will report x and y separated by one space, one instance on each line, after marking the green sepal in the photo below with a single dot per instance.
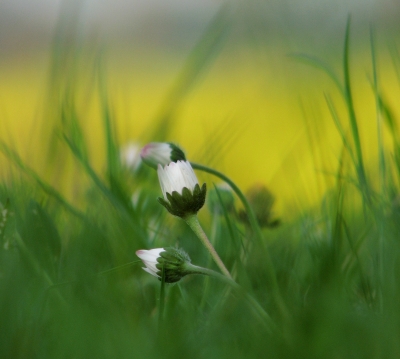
165 203
173 262
187 203
176 153
199 195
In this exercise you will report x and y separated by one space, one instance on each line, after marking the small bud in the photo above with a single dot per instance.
182 193
173 261
129 156
261 200
162 153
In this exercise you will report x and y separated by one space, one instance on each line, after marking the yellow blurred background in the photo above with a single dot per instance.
251 110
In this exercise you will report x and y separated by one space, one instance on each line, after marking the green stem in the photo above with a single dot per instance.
162 300
194 224
250 213
193 269
258 309
255 227
161 327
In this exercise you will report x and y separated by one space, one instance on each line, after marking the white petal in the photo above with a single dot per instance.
149 258
162 177
189 175
149 255
176 176
156 153
151 266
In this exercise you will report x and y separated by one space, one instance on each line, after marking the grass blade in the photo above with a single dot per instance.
352 115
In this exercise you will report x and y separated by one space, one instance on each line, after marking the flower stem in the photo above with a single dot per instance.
250 213
194 224
256 229
162 299
161 324
258 309
193 269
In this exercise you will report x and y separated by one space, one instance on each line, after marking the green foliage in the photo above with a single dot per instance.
71 285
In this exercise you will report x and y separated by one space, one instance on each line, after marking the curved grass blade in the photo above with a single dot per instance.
352 115
51 191
320 65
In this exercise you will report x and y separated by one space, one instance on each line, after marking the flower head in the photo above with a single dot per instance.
182 193
163 153
170 260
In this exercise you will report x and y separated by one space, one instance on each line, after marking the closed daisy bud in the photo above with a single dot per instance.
174 262
162 153
182 193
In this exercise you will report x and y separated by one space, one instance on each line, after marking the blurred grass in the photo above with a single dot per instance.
246 89
71 284
265 125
